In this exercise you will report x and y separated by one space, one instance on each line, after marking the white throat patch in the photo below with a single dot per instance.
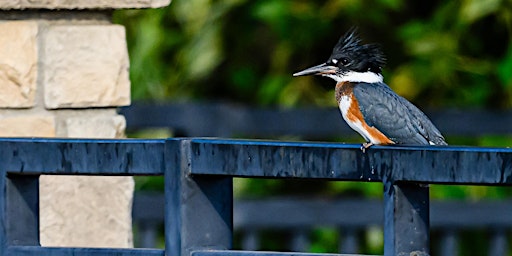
352 76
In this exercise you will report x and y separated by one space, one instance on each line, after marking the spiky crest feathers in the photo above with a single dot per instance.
350 53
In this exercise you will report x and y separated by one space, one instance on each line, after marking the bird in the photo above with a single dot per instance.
367 104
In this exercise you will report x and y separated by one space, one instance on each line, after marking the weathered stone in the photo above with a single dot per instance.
85 211
81 4
18 63
27 126
85 66
95 127
88 211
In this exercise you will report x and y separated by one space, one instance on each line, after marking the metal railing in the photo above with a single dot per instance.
296 218
228 120
24 160
198 191
223 119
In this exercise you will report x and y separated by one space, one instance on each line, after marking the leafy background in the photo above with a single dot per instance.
441 54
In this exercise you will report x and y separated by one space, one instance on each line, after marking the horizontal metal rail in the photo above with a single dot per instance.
55 251
128 157
334 161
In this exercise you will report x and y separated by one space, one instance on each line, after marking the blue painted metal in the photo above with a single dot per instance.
220 119
406 219
82 157
499 243
199 210
22 210
3 214
334 161
289 213
62 251
198 175
23 160
272 159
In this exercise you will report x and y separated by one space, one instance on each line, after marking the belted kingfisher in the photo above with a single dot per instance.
366 103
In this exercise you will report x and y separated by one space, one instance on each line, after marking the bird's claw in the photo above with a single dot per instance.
365 146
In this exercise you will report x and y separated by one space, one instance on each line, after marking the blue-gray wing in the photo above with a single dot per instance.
394 116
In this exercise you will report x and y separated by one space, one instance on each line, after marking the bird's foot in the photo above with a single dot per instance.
365 146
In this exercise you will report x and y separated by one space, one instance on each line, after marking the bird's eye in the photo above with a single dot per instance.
344 61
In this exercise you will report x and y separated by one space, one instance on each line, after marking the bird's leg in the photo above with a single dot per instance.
365 146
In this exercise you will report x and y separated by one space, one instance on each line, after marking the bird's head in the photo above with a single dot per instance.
351 61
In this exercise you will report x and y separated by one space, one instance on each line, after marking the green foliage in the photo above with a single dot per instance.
329 240
441 54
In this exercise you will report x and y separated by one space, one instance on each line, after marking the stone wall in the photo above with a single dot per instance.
63 74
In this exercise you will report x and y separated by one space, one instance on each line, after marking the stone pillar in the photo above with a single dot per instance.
63 72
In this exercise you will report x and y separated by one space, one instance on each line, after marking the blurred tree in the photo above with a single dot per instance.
441 53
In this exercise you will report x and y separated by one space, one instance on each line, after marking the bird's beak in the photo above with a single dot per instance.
322 69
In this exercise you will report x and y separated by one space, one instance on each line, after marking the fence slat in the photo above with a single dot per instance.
349 242
147 234
449 244
300 241
498 244
250 240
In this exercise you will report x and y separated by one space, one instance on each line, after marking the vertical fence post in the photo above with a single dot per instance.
406 219
198 210
3 214
22 209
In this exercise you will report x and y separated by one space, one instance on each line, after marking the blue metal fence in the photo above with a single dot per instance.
198 192
23 160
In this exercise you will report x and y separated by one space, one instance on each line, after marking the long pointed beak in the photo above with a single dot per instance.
321 69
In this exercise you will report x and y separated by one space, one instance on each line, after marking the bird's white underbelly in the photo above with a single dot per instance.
356 125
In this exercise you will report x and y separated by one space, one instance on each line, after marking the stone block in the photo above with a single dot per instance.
95 127
18 63
85 66
86 211
81 4
27 126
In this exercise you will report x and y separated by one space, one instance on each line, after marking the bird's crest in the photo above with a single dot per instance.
349 41
351 45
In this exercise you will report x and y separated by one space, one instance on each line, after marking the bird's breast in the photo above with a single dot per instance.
343 89
348 104
352 116
349 108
